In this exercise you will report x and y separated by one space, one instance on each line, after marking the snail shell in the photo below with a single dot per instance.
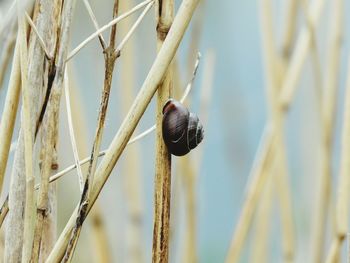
182 130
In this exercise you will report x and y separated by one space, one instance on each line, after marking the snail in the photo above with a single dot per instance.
182 130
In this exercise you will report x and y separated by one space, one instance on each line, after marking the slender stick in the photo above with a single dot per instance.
71 132
290 26
155 75
41 41
327 112
162 185
277 118
260 243
28 233
342 203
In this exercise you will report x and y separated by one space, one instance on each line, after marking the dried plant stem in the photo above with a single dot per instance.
41 41
143 98
260 244
71 131
162 182
110 58
28 232
8 117
328 102
342 202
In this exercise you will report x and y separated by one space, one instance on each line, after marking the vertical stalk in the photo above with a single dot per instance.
160 252
28 228
328 103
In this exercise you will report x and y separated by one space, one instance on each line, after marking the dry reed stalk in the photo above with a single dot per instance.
260 244
132 181
71 131
143 98
164 10
8 117
328 102
342 201
257 180
50 120
110 57
28 227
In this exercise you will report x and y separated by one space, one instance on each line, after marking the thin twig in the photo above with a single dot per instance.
105 27
41 41
342 202
71 132
162 180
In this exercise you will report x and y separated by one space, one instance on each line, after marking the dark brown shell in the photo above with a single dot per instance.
181 129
